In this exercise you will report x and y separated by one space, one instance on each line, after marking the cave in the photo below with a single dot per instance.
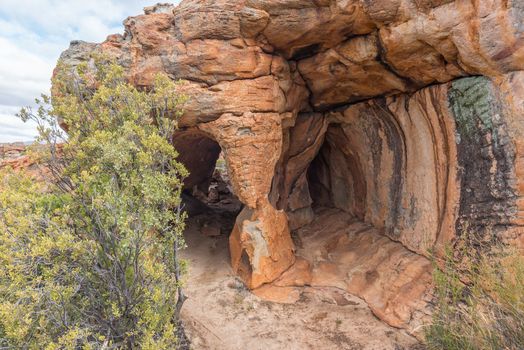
366 200
360 137
207 198
342 186
359 196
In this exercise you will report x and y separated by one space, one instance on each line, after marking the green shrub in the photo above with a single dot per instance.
480 301
88 259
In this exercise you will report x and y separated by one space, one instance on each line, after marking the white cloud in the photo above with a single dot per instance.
23 74
14 130
33 33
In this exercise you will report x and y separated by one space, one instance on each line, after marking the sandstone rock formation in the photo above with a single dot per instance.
406 115
15 157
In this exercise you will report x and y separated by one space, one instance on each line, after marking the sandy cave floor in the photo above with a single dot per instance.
222 314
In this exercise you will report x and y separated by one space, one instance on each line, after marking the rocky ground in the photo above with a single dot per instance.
14 155
222 314
11 150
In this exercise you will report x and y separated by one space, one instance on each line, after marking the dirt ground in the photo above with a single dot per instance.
221 314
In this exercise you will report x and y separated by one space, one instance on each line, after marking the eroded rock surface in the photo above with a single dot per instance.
222 314
15 156
406 115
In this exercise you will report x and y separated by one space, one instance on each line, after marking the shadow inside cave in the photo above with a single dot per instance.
207 198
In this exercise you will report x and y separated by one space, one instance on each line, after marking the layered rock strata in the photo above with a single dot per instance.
14 156
406 115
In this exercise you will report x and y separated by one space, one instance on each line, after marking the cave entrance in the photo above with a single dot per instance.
208 196
335 178
341 210
335 233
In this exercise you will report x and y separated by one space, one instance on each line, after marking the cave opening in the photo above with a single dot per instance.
335 193
342 188
335 178
345 214
208 197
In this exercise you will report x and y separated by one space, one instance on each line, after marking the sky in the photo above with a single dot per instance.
33 33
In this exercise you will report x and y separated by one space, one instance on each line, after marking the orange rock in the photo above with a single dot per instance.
427 151
283 295
328 274
299 274
14 156
341 74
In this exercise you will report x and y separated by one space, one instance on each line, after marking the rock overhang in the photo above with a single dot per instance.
360 87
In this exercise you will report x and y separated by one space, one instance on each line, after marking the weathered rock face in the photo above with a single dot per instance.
10 151
15 157
364 106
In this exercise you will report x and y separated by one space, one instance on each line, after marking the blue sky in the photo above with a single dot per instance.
33 33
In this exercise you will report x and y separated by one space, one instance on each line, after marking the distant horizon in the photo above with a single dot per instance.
25 143
33 34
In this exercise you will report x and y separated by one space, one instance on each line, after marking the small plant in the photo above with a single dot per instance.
239 299
221 166
480 301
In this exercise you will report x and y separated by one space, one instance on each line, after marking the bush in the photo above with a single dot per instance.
480 301
88 259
